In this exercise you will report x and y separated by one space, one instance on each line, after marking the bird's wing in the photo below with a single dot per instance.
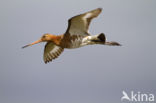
78 25
51 51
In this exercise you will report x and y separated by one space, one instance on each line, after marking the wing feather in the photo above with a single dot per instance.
51 51
79 25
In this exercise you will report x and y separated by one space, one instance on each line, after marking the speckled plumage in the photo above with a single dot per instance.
76 36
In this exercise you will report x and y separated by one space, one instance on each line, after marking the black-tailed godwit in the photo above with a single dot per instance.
76 36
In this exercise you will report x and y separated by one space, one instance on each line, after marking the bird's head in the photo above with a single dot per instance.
45 38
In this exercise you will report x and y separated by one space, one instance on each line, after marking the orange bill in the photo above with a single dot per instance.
38 41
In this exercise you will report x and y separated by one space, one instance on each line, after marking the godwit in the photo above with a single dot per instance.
76 36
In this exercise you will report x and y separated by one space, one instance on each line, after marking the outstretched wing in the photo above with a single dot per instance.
51 51
78 25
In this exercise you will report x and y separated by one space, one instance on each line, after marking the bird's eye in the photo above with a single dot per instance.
44 36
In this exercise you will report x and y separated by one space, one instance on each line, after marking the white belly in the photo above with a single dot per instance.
79 42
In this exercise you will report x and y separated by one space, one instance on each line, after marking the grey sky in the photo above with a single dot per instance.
91 74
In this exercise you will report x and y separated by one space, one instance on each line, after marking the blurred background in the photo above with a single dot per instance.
91 74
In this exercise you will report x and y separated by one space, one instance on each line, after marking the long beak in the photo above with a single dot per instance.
38 41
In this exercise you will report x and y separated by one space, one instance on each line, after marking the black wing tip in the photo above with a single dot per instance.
100 8
47 61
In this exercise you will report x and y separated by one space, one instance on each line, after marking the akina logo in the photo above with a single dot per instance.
137 97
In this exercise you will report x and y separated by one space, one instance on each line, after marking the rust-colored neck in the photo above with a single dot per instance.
56 39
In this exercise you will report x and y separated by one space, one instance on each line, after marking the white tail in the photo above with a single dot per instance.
98 39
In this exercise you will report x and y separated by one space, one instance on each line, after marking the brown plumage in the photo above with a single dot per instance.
76 36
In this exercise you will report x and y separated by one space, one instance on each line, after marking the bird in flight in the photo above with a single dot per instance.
76 35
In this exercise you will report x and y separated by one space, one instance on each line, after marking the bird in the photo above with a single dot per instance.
77 35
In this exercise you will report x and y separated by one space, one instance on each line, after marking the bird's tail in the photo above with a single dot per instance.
101 39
